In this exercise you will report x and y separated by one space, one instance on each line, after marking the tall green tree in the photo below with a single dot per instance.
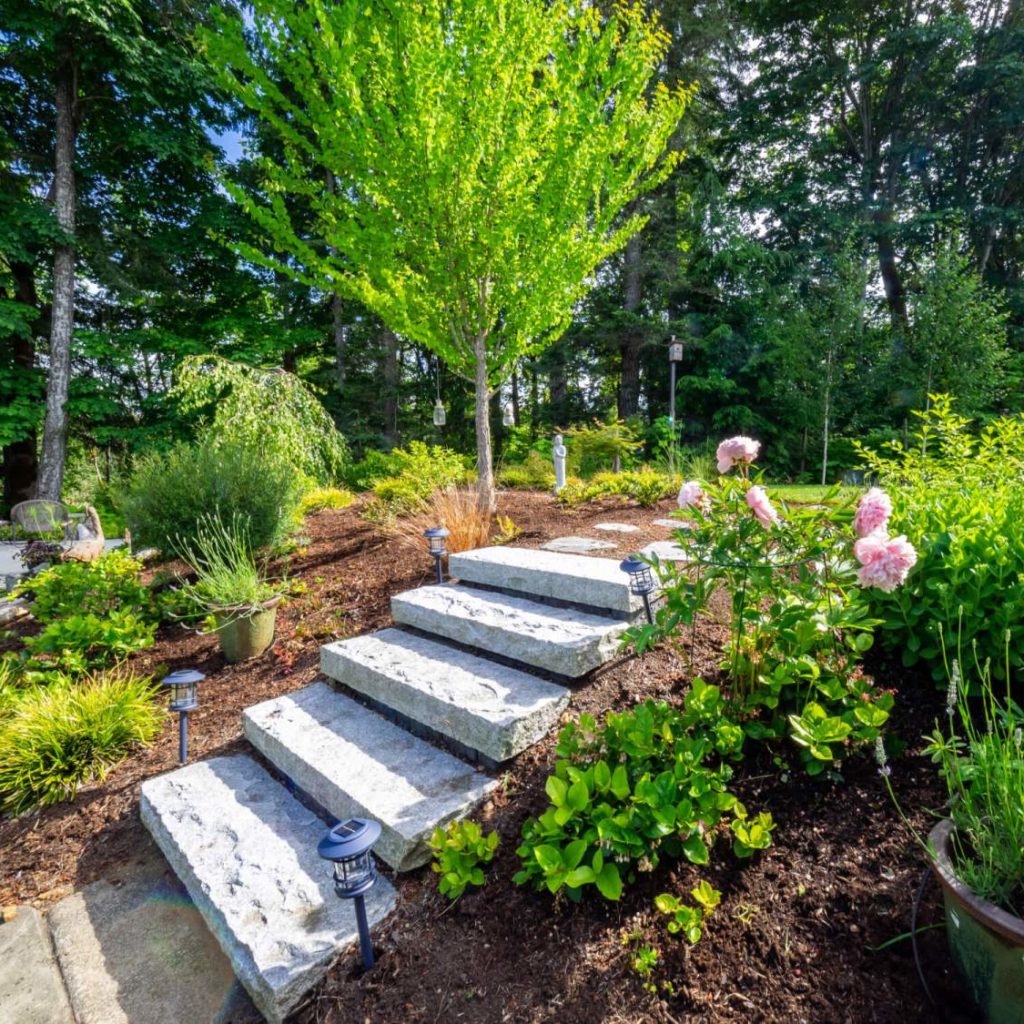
484 157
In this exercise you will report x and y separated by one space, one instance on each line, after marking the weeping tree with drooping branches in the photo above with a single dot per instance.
463 168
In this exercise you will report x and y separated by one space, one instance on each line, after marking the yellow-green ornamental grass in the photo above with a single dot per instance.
55 738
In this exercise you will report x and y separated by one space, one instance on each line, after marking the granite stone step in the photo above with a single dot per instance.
354 762
487 707
578 579
245 849
565 641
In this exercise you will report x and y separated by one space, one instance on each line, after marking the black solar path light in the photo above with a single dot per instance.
641 581
436 537
183 685
348 846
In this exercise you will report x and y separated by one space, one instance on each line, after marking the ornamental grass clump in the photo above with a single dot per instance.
229 578
53 739
799 621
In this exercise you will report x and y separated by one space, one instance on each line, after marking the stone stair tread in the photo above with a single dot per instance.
481 704
565 641
578 579
354 762
245 849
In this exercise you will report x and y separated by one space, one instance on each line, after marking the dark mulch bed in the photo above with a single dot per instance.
792 941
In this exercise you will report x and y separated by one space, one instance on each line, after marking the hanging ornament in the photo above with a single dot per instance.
508 417
440 418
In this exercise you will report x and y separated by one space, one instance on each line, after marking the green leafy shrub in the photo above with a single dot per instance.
97 588
645 784
320 498
77 643
234 400
422 470
53 739
645 486
459 851
168 494
686 918
534 474
602 446
960 496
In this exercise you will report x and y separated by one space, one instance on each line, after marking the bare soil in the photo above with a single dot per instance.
795 941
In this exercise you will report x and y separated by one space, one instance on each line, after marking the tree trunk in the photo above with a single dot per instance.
19 457
55 425
338 331
889 270
340 340
485 473
390 340
534 400
629 347
515 395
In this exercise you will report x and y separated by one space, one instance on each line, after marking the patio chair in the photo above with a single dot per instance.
40 516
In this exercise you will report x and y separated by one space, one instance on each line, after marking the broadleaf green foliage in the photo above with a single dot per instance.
799 624
646 784
483 159
959 495
169 493
268 411
686 918
534 473
318 499
461 850
92 613
110 583
55 738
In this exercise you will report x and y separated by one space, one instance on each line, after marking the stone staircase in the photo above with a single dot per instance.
400 735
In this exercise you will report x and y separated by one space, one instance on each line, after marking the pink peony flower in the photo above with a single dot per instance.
736 449
885 561
762 507
691 493
873 511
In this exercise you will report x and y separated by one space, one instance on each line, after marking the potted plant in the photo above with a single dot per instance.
234 588
977 853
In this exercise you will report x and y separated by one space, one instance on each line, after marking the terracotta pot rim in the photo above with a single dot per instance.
1003 923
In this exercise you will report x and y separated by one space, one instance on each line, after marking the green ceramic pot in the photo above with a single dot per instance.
245 635
987 943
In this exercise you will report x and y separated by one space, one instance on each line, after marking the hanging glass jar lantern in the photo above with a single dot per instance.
440 417
508 416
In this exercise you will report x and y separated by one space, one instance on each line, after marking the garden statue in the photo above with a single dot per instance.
88 544
558 454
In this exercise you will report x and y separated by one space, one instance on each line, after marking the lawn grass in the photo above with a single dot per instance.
808 494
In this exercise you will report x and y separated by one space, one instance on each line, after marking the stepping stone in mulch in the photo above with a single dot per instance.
666 551
577 545
673 524
617 527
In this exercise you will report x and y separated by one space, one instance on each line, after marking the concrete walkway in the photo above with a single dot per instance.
131 949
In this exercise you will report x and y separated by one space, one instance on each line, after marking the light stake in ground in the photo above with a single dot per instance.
436 536
641 581
348 845
184 698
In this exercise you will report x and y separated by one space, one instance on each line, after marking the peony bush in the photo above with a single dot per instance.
797 583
